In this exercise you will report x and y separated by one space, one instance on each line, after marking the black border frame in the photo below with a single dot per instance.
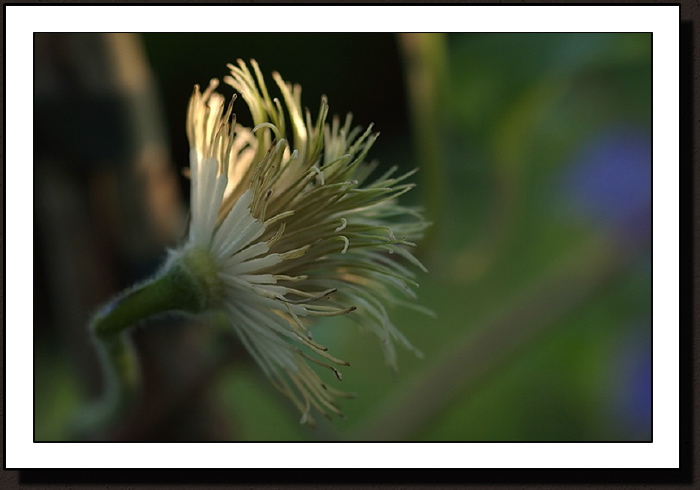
685 475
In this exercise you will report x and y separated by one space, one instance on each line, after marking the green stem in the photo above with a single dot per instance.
176 289
425 62
179 287
121 382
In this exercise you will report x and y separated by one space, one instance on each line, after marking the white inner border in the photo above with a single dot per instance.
23 21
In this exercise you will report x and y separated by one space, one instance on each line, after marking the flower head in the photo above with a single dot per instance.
286 226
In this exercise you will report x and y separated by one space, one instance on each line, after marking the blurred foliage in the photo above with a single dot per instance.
519 115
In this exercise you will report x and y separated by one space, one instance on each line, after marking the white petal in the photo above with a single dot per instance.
252 251
208 191
250 229
233 223
254 264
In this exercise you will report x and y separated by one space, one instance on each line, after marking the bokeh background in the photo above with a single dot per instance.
535 169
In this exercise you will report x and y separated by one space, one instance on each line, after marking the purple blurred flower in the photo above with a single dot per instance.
632 384
609 183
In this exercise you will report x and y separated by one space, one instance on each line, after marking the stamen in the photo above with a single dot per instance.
270 126
282 277
280 216
320 174
344 223
305 418
306 337
266 199
335 312
337 373
276 236
295 254
347 243
321 295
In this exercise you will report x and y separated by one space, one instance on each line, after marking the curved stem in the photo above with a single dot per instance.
174 289
121 386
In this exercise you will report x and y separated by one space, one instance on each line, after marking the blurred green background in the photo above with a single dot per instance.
535 158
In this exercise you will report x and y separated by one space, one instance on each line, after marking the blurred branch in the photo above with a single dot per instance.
107 200
485 349
510 147
425 60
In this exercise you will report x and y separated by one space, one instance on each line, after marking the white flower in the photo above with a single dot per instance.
287 228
